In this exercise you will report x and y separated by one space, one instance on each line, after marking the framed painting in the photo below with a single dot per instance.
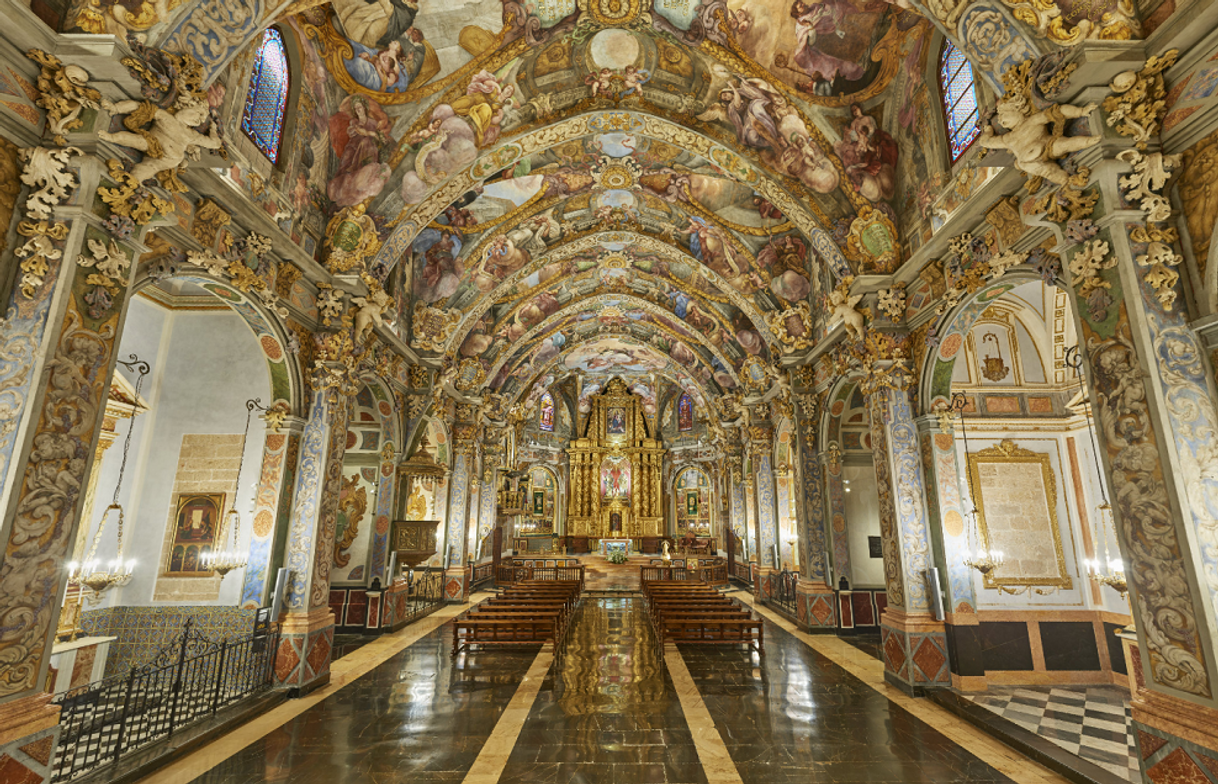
1017 515
615 422
539 502
691 504
196 524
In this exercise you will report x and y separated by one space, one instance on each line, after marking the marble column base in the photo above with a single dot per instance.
765 582
915 651
815 607
29 733
305 650
456 585
1177 740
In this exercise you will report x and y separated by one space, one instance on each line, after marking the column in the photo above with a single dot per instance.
492 461
761 456
307 632
56 385
914 644
273 507
835 493
816 607
386 493
946 511
456 579
1158 431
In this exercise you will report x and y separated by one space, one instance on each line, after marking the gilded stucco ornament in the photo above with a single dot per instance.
131 199
50 181
1118 24
1085 268
110 265
351 239
1150 174
1036 137
891 302
844 308
329 303
167 138
793 326
37 252
433 327
239 274
64 92
1159 261
1139 99
873 241
370 312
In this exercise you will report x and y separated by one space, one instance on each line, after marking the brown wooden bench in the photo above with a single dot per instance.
468 632
719 631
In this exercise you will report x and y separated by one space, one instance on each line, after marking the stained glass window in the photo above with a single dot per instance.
685 413
959 99
546 420
268 95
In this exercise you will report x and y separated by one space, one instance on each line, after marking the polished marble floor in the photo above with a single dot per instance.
613 706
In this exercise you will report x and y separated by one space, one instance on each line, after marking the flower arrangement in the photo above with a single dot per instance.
616 557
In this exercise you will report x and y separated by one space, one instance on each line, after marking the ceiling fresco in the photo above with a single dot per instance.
607 187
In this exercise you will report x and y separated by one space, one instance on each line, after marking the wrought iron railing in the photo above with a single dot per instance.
188 681
785 585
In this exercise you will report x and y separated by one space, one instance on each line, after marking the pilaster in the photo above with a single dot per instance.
914 644
945 508
273 504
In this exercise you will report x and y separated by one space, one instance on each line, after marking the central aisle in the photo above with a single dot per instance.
607 710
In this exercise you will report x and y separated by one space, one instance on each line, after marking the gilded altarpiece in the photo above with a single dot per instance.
615 470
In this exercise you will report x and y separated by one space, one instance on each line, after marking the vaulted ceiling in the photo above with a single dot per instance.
605 187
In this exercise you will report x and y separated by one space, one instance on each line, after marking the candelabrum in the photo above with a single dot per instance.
224 561
89 574
984 561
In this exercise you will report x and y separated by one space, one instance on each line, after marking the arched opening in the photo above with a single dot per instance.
266 101
189 463
958 100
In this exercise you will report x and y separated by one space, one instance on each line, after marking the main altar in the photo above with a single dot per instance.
615 470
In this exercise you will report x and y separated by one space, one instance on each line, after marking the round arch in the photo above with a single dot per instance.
287 377
935 389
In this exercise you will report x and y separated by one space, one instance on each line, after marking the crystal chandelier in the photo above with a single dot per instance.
1107 571
117 572
983 560
224 561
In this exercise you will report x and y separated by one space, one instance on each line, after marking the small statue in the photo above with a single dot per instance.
1037 139
664 548
169 141
371 312
844 308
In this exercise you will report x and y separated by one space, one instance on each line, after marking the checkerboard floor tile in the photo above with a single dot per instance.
1091 722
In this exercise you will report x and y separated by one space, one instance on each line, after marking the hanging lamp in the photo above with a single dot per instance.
224 561
980 558
1108 571
117 572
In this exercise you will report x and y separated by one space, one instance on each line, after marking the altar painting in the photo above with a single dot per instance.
615 478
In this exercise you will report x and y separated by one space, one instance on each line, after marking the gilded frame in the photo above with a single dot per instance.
182 503
1010 453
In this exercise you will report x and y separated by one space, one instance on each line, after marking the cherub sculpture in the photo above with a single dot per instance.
371 312
844 308
170 139
1037 138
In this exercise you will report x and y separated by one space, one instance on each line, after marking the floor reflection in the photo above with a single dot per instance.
607 711
794 716
421 716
